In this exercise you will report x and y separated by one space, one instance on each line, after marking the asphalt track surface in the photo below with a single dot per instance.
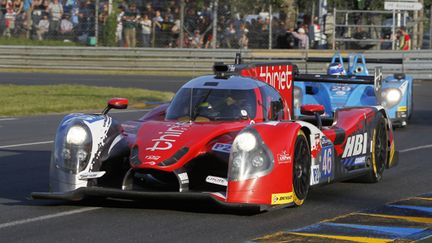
25 147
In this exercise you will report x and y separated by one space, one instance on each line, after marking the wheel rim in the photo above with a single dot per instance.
380 148
301 169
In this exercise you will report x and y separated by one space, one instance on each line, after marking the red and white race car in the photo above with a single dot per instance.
230 136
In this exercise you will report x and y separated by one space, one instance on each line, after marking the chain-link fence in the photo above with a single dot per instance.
189 24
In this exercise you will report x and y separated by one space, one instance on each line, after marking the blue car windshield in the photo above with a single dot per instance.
213 104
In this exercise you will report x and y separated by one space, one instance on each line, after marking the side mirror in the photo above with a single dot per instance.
116 103
313 110
310 110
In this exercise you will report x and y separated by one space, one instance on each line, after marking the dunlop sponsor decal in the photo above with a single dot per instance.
281 198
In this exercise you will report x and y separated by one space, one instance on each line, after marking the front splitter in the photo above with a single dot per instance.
101 192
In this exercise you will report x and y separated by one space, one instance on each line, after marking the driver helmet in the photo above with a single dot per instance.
336 69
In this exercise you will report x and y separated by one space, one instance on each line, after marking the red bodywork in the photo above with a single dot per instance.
158 139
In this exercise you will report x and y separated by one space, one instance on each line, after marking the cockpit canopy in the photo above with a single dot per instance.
208 98
213 104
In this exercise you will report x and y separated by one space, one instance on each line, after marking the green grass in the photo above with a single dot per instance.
28 42
19 100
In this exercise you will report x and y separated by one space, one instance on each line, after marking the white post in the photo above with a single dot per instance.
96 22
182 9
270 27
215 16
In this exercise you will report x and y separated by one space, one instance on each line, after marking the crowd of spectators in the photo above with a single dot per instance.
147 23
47 19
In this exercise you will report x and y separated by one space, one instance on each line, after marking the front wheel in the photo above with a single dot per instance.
301 169
379 150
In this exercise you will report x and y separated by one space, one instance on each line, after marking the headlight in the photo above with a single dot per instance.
391 97
76 135
298 96
249 156
246 141
73 147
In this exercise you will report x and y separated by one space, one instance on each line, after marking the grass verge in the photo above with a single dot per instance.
20 100
28 42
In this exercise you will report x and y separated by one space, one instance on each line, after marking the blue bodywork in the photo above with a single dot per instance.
334 96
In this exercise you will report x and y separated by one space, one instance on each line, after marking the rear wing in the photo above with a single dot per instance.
369 60
375 80
356 62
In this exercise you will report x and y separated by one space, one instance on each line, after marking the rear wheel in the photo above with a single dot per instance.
379 150
301 169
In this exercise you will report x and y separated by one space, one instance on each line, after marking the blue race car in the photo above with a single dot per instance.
394 93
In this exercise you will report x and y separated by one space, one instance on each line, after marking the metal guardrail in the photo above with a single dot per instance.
416 63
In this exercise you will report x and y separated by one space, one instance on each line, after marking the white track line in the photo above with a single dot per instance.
45 217
415 148
7 119
25 144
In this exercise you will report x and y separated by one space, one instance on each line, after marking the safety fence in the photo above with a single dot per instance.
416 63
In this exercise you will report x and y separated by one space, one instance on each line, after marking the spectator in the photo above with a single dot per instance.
66 27
55 10
130 19
146 25
175 33
37 15
42 27
302 37
197 40
244 41
10 18
230 34
119 29
86 17
404 40
157 21
18 6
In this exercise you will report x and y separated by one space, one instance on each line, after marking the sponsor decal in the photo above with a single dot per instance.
168 137
284 158
184 178
354 162
316 175
148 163
281 198
340 93
355 145
360 160
91 175
402 108
217 180
152 157
341 87
222 147
327 162
316 148
276 74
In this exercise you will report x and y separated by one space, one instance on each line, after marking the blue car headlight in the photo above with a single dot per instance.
298 97
250 157
391 97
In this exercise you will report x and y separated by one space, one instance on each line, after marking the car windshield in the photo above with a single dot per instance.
212 104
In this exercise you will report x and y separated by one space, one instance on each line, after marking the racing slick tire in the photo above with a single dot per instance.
301 169
379 150
411 107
